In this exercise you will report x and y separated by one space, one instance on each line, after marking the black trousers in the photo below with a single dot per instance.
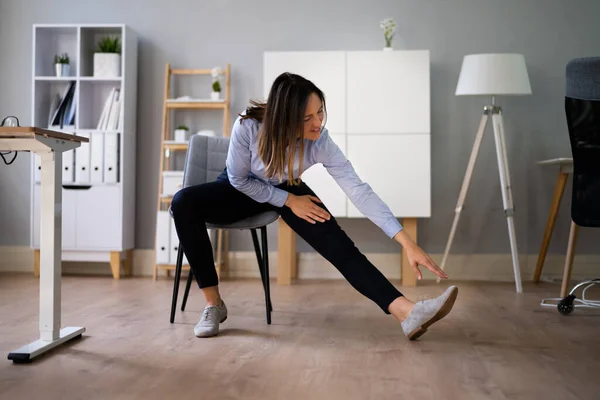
219 202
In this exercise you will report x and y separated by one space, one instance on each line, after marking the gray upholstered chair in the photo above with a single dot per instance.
205 161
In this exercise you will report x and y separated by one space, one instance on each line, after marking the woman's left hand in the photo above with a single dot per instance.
416 256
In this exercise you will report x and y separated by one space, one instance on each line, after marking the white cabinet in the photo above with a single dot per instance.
379 114
325 187
326 69
98 177
69 228
91 218
99 218
388 92
398 168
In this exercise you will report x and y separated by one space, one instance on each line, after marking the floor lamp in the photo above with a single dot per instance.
492 75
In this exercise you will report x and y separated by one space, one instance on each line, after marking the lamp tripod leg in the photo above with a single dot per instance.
465 185
506 190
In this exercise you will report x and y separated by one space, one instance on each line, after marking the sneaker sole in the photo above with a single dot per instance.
443 311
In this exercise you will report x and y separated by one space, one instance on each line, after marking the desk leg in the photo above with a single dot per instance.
50 265
559 189
286 253
408 275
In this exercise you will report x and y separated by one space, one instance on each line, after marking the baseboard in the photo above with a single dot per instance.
474 267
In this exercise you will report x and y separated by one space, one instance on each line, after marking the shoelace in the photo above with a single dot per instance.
208 313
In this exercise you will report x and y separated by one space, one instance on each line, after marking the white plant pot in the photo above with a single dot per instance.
215 95
388 49
107 65
181 135
62 69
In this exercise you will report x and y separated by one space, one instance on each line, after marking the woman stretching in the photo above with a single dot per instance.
271 145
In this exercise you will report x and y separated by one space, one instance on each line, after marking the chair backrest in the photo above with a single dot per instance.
205 159
582 107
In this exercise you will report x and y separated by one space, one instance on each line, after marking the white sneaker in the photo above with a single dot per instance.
210 320
425 313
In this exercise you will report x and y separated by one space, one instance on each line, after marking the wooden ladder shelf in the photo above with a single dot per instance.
169 146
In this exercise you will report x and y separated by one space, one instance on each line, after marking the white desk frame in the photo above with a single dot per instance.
49 145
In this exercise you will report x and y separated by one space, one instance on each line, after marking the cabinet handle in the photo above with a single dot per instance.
77 187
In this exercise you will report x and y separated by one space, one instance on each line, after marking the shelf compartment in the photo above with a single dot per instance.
90 37
93 99
48 96
54 41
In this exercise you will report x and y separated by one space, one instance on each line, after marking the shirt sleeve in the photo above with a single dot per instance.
239 166
360 193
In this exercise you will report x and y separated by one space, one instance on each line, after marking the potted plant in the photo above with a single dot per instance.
389 30
62 64
181 133
107 60
216 85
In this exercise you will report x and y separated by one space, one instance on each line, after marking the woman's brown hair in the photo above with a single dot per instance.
282 124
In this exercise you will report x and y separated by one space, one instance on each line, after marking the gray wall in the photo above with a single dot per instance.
192 33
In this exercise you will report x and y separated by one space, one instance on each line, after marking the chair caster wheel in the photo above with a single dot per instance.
565 306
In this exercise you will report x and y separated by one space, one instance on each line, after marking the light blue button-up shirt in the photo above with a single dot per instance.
246 172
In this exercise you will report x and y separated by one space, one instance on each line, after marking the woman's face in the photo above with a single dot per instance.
313 118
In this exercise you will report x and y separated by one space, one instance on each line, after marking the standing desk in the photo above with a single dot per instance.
49 145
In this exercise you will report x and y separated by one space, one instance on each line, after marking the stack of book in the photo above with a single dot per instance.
110 118
62 109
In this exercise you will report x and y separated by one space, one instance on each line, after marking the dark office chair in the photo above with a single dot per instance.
205 161
582 107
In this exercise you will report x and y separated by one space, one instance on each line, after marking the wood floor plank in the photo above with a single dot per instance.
326 342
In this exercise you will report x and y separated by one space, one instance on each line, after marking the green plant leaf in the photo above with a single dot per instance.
61 59
109 45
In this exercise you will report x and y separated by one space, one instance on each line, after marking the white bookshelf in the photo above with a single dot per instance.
98 206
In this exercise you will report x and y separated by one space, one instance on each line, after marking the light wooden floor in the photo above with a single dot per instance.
326 342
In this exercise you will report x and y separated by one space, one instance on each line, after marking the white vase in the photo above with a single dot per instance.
181 135
215 96
62 69
107 65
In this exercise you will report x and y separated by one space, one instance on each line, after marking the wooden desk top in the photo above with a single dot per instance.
24 132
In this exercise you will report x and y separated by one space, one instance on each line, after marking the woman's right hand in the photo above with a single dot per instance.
305 208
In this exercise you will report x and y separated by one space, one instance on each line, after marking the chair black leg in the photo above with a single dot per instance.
265 266
176 281
259 258
188 285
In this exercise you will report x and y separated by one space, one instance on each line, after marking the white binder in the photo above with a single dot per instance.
37 168
68 173
82 160
97 157
111 157
163 250
175 245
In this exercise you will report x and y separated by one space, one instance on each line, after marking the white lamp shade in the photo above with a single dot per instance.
493 74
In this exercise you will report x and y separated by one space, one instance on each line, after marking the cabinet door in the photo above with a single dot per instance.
326 69
325 187
99 217
388 92
398 169
69 233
